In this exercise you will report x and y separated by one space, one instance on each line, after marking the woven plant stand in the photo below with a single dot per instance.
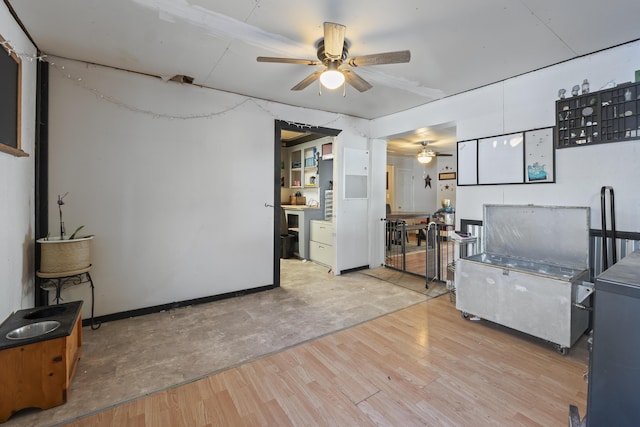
58 256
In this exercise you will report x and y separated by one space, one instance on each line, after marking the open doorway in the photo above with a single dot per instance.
418 185
421 169
287 183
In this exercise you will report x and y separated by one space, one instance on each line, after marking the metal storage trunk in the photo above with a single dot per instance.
531 273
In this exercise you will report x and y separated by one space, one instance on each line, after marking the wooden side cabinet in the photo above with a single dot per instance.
38 372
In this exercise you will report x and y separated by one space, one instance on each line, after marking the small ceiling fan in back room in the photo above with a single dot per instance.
426 155
337 66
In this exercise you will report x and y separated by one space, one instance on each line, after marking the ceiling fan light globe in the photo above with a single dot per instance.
424 158
332 79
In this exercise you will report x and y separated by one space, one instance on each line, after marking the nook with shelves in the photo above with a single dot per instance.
306 171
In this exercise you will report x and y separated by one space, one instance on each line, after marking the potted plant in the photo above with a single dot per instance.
64 255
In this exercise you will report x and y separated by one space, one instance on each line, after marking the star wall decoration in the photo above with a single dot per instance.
427 182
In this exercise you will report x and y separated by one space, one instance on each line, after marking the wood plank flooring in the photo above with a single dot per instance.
423 365
416 260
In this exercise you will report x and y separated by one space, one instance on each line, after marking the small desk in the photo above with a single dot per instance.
304 215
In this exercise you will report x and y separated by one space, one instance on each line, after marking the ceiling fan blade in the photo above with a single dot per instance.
288 60
333 40
356 81
381 58
443 155
308 80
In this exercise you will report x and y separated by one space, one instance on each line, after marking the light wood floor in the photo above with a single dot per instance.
423 365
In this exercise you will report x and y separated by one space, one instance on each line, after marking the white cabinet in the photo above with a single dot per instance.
322 241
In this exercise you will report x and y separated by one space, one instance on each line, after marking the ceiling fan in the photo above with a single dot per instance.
333 55
425 156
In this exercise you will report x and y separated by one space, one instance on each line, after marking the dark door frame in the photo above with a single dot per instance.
281 125
41 173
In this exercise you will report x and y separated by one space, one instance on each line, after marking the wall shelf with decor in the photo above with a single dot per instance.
620 113
609 115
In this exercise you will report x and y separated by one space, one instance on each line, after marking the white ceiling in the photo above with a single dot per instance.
455 45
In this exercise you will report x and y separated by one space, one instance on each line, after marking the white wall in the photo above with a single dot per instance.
446 188
528 102
17 195
177 205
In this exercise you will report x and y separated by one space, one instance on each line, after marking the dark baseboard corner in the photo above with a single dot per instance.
351 270
173 305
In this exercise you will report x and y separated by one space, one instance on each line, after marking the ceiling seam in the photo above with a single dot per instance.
20 24
226 49
548 27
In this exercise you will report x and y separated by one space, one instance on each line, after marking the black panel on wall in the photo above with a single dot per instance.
42 168
9 80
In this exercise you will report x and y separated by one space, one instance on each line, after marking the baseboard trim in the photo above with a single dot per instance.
173 305
351 270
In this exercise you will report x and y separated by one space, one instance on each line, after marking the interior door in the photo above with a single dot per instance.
403 191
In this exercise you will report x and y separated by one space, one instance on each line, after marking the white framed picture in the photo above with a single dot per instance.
539 156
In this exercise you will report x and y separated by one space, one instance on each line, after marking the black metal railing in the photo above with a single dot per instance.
427 255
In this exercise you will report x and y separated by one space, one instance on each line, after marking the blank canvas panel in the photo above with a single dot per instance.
468 162
501 159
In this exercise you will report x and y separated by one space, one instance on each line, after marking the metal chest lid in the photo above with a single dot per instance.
557 235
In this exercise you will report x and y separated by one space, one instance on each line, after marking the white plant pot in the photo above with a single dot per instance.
58 256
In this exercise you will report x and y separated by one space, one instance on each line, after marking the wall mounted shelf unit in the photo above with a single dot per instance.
608 115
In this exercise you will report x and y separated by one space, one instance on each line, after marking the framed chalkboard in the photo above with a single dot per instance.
10 101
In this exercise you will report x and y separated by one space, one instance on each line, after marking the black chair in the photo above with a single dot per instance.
394 230
422 235
286 238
